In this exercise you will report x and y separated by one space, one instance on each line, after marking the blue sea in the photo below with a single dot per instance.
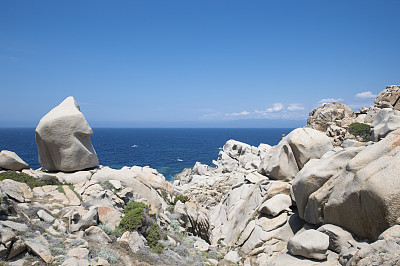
167 150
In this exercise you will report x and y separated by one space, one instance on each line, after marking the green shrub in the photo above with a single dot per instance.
132 205
358 129
134 216
30 180
181 198
153 237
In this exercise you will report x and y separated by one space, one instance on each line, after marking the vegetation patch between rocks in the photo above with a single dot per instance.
30 180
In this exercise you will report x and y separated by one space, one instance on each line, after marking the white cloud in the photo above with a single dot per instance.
210 116
365 95
276 107
244 113
295 107
330 100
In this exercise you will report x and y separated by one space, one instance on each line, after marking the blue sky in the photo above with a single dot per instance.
207 63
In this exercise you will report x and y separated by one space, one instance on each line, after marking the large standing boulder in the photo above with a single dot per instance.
362 196
307 183
307 143
11 161
279 163
390 95
63 139
385 122
283 161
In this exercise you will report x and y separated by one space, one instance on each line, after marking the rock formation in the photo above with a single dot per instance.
11 161
321 196
63 139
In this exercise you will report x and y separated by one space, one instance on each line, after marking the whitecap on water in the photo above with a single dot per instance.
179 160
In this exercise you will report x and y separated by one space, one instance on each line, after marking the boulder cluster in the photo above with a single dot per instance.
326 194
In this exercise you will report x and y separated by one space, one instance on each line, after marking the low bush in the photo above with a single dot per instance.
134 216
153 237
181 198
358 129
30 180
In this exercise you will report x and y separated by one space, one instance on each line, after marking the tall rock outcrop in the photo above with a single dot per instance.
390 97
63 139
356 190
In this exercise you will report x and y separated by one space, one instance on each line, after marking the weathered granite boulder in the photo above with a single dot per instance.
385 122
339 238
390 95
307 143
276 205
284 160
310 180
63 139
360 195
279 163
11 161
231 215
310 244
320 117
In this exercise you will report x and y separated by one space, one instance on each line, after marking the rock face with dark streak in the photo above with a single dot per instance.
63 139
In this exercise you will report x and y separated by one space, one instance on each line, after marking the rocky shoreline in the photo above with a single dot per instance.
326 194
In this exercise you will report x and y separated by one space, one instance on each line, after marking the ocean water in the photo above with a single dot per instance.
167 150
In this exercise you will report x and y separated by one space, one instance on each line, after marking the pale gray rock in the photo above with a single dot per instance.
201 245
193 218
232 256
381 252
97 235
11 161
320 117
19 191
43 215
313 176
40 250
63 139
116 184
307 143
75 262
74 178
371 114
368 190
7 236
390 95
15 226
109 216
393 232
287 260
276 205
200 169
79 222
133 240
351 143
279 163
339 238
230 216
78 253
385 122
310 244
17 248
226 163
139 181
